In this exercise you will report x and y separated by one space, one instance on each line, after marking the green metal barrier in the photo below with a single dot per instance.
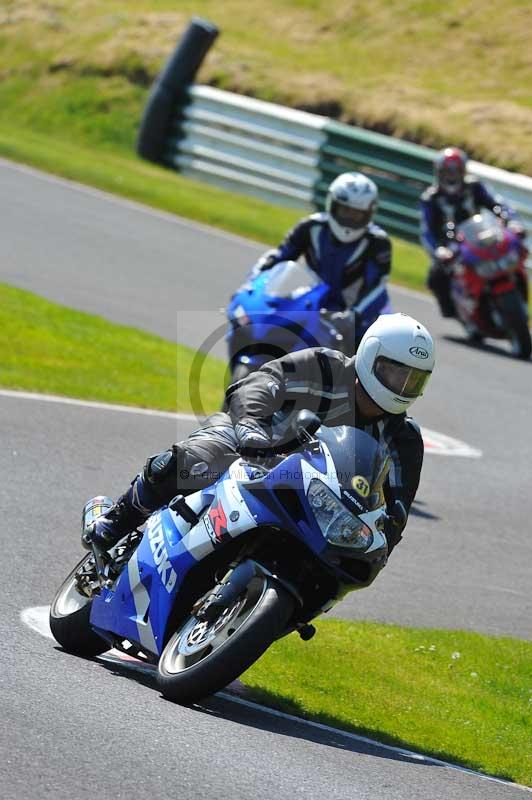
401 171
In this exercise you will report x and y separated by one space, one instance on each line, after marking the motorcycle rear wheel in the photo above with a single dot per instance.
70 619
515 318
202 657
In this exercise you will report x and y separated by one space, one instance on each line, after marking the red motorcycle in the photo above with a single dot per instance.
489 283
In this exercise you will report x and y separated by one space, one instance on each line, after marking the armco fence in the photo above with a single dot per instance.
287 156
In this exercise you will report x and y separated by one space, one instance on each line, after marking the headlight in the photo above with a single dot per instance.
239 316
337 524
486 269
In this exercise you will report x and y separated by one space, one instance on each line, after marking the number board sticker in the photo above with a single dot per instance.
360 485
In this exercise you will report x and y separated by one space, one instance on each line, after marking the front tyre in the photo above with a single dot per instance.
515 318
70 618
203 657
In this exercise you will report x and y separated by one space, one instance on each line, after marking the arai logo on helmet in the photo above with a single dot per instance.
418 352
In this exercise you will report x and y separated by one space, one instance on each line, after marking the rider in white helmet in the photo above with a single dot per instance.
394 361
343 246
371 391
350 205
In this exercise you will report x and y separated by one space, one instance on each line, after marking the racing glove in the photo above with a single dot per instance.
394 524
265 262
252 438
444 254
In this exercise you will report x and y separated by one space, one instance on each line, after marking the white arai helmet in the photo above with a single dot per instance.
351 202
394 361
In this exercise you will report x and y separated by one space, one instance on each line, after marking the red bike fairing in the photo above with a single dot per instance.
493 269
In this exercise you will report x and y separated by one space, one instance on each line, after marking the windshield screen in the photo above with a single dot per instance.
362 466
481 230
290 279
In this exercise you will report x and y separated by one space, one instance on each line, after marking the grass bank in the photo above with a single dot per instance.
398 67
459 696
49 348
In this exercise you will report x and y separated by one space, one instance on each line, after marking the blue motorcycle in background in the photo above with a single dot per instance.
288 308
214 579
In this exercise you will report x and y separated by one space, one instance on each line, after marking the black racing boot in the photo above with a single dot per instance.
124 516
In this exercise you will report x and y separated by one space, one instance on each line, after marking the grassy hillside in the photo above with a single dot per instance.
458 73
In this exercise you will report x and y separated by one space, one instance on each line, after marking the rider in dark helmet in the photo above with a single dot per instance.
372 390
453 198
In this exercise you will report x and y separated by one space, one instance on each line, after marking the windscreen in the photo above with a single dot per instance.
481 230
361 464
290 279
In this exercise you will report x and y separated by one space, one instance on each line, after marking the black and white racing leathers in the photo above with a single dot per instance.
317 379
323 381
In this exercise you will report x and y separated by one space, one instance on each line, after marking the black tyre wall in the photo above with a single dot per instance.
168 91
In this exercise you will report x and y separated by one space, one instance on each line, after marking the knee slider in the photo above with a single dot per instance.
158 467
160 475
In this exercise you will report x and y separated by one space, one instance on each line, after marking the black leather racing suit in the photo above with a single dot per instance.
317 379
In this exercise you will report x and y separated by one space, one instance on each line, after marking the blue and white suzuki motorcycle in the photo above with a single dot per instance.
214 579
288 308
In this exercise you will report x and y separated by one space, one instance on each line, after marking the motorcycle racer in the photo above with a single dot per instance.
453 198
346 249
372 391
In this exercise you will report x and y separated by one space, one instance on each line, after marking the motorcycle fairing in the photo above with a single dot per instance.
474 294
138 606
271 499
265 326
280 498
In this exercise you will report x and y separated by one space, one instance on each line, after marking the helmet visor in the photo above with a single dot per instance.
451 176
399 378
349 217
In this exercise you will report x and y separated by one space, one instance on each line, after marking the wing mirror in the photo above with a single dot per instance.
306 425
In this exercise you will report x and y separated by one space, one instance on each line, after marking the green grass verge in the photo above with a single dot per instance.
49 348
459 696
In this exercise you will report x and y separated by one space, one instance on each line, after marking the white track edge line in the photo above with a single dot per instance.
356 737
31 618
72 401
397 287
151 412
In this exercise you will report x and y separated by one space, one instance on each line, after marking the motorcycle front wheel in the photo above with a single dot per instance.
204 656
515 318
70 618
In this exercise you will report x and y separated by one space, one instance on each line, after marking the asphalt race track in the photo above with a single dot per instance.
74 727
